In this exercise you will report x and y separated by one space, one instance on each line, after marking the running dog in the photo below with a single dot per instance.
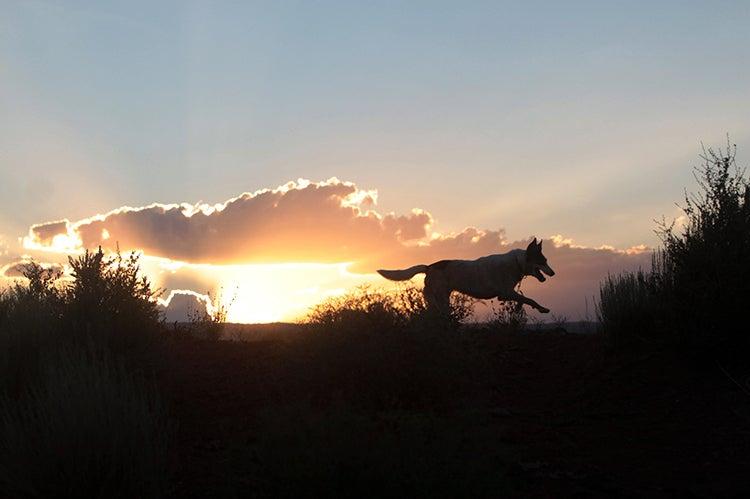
493 276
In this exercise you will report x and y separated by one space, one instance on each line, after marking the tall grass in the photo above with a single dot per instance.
87 428
631 305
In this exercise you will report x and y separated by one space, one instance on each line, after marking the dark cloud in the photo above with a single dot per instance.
17 269
181 305
45 233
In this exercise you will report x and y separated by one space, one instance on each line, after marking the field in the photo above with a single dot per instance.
377 394
290 412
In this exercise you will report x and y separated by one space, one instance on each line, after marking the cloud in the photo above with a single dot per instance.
17 268
326 222
182 304
44 234
323 222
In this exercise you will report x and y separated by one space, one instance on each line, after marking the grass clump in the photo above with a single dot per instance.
631 306
86 428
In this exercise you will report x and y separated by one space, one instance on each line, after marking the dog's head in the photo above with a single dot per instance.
536 262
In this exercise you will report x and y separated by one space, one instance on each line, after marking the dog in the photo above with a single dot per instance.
488 277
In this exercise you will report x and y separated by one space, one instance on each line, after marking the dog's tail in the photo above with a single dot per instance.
403 275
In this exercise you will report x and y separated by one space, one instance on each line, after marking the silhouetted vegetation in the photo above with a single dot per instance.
371 310
75 419
696 291
373 395
631 307
388 334
204 323
508 316
86 428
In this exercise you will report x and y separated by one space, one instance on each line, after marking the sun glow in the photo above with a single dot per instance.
258 293
64 243
282 292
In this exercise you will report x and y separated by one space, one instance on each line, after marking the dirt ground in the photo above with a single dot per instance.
550 414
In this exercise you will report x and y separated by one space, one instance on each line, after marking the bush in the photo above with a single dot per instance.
88 428
109 300
106 301
30 317
508 317
707 279
696 290
366 309
73 421
389 343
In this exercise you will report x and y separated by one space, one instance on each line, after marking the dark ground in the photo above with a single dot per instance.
476 413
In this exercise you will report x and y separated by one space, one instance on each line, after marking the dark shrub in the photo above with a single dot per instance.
696 291
707 279
388 342
30 318
508 316
74 421
111 301
371 310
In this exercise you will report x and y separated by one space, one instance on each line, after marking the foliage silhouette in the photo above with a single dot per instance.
75 418
695 293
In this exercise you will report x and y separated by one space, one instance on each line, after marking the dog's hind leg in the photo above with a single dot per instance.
437 294
515 296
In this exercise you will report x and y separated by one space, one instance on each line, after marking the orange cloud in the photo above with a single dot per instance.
301 221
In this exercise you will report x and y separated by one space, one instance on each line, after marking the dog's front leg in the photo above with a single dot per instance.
525 300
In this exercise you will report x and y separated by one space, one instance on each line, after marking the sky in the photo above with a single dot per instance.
579 120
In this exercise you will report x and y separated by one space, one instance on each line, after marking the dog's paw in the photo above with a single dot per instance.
543 310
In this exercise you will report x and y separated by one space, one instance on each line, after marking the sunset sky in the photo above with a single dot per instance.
283 151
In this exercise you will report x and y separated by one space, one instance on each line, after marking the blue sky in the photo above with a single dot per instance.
579 118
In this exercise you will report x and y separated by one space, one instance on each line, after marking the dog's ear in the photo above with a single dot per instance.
532 246
539 245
